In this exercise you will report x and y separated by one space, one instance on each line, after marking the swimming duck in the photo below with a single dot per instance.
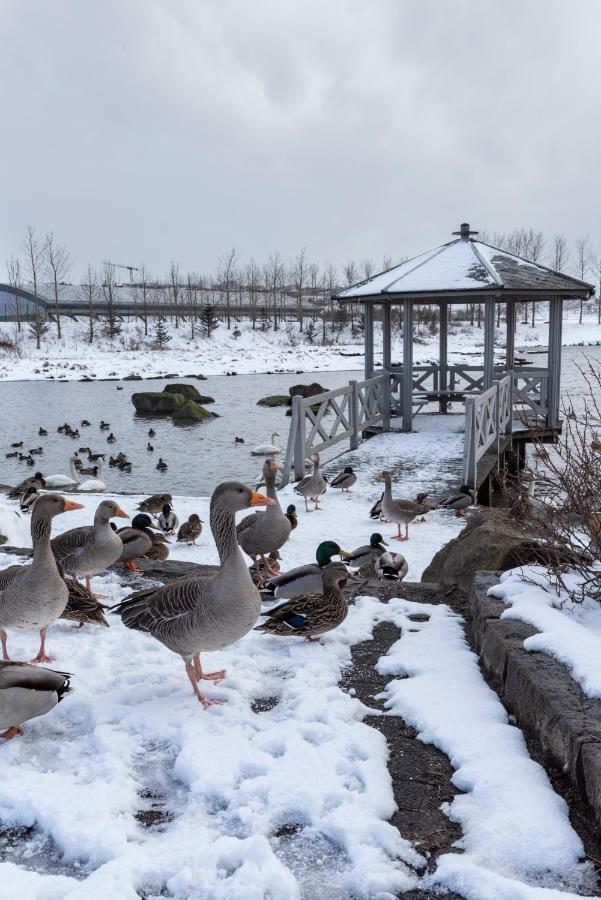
161 465
401 511
94 484
292 516
12 455
111 439
239 440
168 521
27 692
152 432
265 449
460 500
190 530
155 503
345 480
262 532
94 457
82 606
32 597
104 426
309 615
36 451
90 549
391 566
42 432
17 444
149 447
203 613
84 423
302 579
311 487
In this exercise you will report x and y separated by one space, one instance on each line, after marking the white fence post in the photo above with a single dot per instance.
354 414
298 413
385 401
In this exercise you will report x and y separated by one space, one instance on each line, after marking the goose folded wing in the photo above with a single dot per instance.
7 576
149 609
68 547
246 523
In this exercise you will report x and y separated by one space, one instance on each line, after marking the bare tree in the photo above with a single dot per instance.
227 269
144 279
595 265
387 263
33 252
13 268
367 268
90 290
581 246
252 276
58 264
174 279
300 274
274 273
559 255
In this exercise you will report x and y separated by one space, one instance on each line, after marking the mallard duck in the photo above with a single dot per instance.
104 426
262 532
266 449
155 503
239 440
190 530
111 439
17 444
90 549
84 423
27 692
94 457
376 510
62 481
31 495
203 613
38 481
160 549
149 447
32 597
460 501
391 566
311 487
152 432
309 615
36 451
401 511
42 432
137 540
12 455
292 516
345 480
82 606
367 554
161 465
302 579
94 484
168 521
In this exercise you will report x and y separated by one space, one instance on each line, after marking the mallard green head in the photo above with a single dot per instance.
325 552
376 540
141 520
291 510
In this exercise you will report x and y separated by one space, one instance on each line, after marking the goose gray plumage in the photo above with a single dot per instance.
27 692
401 511
262 532
32 597
311 487
203 613
310 615
90 549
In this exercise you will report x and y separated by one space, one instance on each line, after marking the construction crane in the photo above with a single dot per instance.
130 269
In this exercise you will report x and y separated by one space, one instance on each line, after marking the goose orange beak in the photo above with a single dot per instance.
70 504
119 512
260 500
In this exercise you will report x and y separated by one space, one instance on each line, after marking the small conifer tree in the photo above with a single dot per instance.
209 320
161 335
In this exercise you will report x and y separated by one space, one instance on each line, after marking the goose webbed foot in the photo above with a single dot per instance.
42 657
11 733
313 640
206 703
206 676
131 566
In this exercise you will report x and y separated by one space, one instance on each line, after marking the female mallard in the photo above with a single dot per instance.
38 481
190 530
155 503
309 615
160 549
262 532
82 606
203 612
345 480
460 500
90 549
311 487
303 579
401 511
27 692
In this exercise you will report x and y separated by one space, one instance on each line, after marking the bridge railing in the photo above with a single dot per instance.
488 419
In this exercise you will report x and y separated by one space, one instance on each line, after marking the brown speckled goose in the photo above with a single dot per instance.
262 532
32 597
27 692
90 549
199 613
401 511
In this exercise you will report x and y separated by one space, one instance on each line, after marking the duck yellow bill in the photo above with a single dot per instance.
345 554
260 500
119 512
70 504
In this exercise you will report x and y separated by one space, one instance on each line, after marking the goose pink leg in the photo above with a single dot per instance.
206 676
41 657
191 673
3 637
11 733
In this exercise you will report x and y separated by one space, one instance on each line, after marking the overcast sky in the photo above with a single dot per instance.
175 129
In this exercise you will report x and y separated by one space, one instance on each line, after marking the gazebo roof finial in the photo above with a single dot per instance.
464 231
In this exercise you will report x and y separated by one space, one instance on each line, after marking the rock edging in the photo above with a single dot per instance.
548 704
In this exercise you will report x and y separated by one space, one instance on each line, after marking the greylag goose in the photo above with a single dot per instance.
137 540
168 521
190 530
345 480
27 692
90 549
155 503
200 613
302 579
310 615
311 487
460 500
266 449
32 597
402 512
262 532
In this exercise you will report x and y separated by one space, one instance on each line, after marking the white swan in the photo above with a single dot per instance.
63 481
93 484
267 449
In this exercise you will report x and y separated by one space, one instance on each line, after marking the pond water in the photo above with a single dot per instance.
198 456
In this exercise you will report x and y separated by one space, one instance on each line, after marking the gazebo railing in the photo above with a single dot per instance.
488 419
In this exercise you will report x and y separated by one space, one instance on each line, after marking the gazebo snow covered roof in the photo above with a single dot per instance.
467 266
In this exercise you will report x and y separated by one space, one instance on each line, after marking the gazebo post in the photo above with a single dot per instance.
443 331
386 336
368 331
510 341
407 365
489 341
554 361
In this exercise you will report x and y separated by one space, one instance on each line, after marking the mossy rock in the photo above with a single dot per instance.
306 390
188 391
274 400
190 411
156 403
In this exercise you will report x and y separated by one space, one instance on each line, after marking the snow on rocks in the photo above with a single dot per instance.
569 632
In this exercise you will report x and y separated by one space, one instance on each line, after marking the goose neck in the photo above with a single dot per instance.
40 534
223 527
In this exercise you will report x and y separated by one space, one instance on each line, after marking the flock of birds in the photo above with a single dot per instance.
197 613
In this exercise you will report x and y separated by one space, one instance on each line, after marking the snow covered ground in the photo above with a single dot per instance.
253 351
288 802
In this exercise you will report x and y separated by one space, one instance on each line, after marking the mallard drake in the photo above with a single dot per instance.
161 465
311 487
17 444
36 451
376 510
292 516
265 449
155 503
262 532
168 521
391 566
12 455
111 439
190 530
137 540
90 549
460 501
32 597
31 495
38 481
84 423
345 480
302 579
104 426
27 692
82 606
309 615
367 554
160 549
202 613
401 511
